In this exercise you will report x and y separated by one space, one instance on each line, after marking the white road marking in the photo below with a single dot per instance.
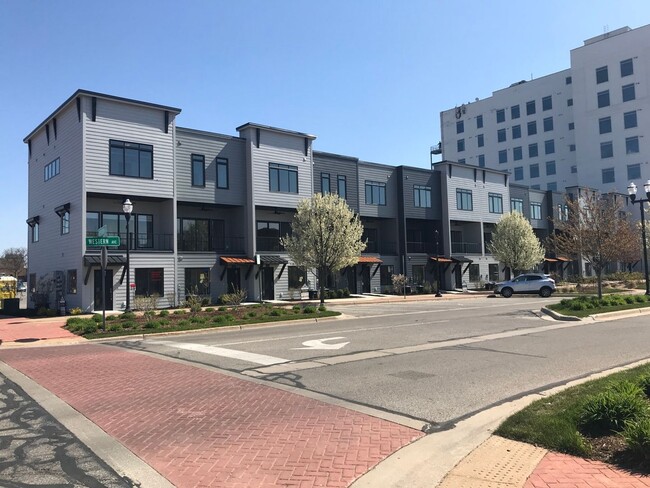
320 344
250 357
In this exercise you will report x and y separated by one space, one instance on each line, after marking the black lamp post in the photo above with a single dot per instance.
438 294
631 190
127 208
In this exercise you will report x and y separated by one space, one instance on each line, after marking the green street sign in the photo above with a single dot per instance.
112 241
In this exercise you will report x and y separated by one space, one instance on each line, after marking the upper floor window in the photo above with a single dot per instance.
283 178
536 211
530 107
569 102
517 205
547 103
602 75
532 128
503 156
603 99
605 125
501 135
65 222
568 80
574 169
549 146
608 175
501 115
460 127
551 185
495 202
422 196
131 159
222 172
480 141
341 186
460 145
631 145
51 169
550 168
629 119
325 183
628 92
516 131
517 153
519 173
198 170
606 150
514 112
375 193
534 170
532 150
464 199
481 160
633 171
627 68
479 121
572 125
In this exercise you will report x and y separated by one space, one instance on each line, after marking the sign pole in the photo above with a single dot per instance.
104 264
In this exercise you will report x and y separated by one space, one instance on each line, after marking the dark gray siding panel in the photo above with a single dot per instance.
413 177
382 174
335 167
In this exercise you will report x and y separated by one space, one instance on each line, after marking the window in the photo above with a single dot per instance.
35 232
501 115
606 150
633 171
297 277
568 80
194 235
563 212
269 233
501 135
628 92
631 145
603 99
481 160
197 281
51 169
517 205
283 178
534 187
572 125
144 231
550 168
71 282
602 75
325 183
574 169
460 145
532 150
549 146
474 273
608 175
516 131
547 103
65 222
198 170
480 140
534 170
514 112
530 107
536 211
519 173
572 147
461 160
149 282
131 159
460 127
422 196
386 274
341 186
517 153
495 203
503 156
479 121
548 124
464 199
627 68
605 125
375 193
532 128
569 102
629 119
222 173
551 186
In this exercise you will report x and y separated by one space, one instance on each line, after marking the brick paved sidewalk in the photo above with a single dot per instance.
24 329
201 428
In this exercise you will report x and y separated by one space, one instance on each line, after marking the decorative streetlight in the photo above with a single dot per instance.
127 208
631 190
438 294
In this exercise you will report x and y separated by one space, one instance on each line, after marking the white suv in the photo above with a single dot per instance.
527 283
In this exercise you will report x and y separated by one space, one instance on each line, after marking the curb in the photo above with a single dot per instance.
559 316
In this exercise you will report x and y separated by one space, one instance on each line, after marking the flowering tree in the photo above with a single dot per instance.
326 236
515 244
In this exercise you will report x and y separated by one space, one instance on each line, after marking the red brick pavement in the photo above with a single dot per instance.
563 471
200 428
14 328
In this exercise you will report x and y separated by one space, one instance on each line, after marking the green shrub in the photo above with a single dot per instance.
179 312
205 301
209 310
74 321
309 309
276 313
251 314
222 309
149 314
577 306
629 299
97 317
198 320
111 318
322 308
164 313
128 315
644 384
218 319
183 323
637 437
608 411
639 298
129 324
296 308
346 293
152 324
234 298
90 327
229 317
115 327
164 322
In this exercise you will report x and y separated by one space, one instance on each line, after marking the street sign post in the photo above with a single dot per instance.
112 241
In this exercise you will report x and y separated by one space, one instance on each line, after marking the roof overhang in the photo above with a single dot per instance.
272 259
369 260
235 260
112 260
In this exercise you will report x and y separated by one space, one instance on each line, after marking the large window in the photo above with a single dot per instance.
341 186
464 199
629 119
222 172
603 99
460 145
460 127
628 92
149 282
480 141
605 125
517 153
197 281
269 233
519 173
386 274
514 112
297 277
548 124
517 205
501 115
283 178
375 193
608 175
131 159
633 171
422 196
198 170
631 145
532 150
602 75
550 168
549 146
530 107
627 68
516 131
51 169
203 235
536 211
71 282
532 128
606 150
503 156
479 121
115 223
325 183
495 201
534 170
547 103
501 135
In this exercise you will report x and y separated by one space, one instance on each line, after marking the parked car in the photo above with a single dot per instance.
527 283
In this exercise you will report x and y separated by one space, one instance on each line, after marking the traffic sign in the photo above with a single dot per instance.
112 241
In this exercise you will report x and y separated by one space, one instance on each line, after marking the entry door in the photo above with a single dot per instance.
268 286
365 279
459 276
98 289
234 279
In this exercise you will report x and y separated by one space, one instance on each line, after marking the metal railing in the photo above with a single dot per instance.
421 247
234 245
381 247
466 248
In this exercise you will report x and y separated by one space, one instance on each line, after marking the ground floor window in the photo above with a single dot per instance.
197 281
72 281
474 273
297 277
418 274
386 272
149 282
493 270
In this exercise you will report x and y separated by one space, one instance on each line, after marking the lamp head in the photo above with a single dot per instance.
631 190
127 206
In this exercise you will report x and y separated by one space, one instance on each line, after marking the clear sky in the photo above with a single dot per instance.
369 78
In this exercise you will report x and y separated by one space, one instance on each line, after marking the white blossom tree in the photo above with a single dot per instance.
326 236
515 244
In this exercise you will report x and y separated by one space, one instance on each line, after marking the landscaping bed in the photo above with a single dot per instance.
156 321
584 306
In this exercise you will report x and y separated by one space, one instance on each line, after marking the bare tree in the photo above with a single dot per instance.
14 260
597 230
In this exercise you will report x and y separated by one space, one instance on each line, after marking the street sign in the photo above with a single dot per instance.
112 241
102 231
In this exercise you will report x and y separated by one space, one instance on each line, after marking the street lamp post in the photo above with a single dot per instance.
127 208
631 190
438 294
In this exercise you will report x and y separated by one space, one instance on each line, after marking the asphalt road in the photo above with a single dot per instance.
436 361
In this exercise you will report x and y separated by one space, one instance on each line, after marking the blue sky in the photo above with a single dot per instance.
367 77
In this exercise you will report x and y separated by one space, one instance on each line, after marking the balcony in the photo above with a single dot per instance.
421 247
466 248
271 244
231 245
388 248
143 242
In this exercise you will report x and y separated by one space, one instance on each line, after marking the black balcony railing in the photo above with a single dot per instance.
235 245
421 247
271 244
144 241
465 248
381 247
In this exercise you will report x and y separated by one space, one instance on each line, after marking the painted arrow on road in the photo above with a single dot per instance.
320 344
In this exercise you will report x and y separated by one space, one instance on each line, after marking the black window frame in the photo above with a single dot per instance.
460 126
479 121
503 156
517 205
603 99
628 92
517 153
606 150
533 150
495 203
549 146
325 178
519 173
460 145
501 135
65 222
196 285
516 131
602 75
634 171
51 169
480 140
627 120
342 179
605 125
222 163
535 211
501 115
548 124
531 128
418 192
370 185
276 170
531 108
624 64
608 175
144 276
464 196
551 168
115 146
198 170
547 103
632 143
535 173
515 112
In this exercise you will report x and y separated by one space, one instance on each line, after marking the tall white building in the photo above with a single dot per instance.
583 126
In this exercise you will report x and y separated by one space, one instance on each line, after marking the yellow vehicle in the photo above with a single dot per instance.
7 288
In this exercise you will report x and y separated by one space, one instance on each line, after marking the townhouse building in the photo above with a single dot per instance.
209 210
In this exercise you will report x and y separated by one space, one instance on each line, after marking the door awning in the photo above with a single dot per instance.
271 259
113 260
234 260
461 259
369 260
441 259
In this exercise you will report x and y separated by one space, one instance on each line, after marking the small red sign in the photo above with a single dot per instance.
132 285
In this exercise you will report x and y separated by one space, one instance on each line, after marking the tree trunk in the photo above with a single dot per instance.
321 284
599 279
